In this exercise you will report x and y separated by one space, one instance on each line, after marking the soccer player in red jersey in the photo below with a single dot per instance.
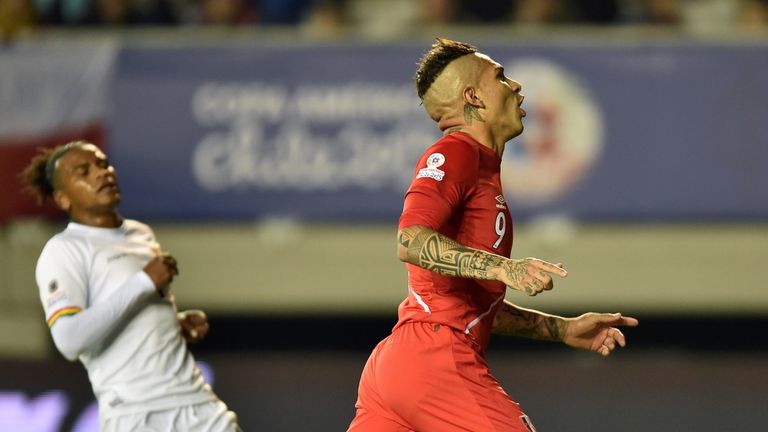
455 235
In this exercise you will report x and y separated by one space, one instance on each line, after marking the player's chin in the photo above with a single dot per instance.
112 202
518 129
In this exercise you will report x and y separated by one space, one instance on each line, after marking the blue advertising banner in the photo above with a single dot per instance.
329 132
313 132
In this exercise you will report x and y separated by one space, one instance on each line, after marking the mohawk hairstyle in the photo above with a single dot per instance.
443 52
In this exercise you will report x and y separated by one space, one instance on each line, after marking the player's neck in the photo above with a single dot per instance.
482 136
98 219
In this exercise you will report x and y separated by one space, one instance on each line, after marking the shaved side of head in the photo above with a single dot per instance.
446 95
443 74
442 53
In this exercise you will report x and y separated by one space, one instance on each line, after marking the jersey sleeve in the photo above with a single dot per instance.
61 280
444 176
76 333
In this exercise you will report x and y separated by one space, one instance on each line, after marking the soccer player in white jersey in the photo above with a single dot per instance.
104 285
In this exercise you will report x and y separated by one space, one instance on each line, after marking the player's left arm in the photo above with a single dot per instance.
591 331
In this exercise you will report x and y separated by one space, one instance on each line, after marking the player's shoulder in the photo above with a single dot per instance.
63 247
66 239
452 158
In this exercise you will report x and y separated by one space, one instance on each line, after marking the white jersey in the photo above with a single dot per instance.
144 363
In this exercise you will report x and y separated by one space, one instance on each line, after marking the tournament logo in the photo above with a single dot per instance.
53 286
54 298
563 135
434 161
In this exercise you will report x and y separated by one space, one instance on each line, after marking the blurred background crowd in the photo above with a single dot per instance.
333 17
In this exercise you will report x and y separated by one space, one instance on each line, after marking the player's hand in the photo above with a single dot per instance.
529 275
595 332
194 325
162 269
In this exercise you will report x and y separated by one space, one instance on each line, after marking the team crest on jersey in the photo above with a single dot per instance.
434 161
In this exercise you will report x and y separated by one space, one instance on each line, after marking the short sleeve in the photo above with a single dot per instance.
61 279
443 178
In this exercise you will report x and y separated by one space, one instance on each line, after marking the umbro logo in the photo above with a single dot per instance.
117 256
500 199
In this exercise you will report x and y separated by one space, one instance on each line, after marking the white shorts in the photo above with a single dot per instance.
205 417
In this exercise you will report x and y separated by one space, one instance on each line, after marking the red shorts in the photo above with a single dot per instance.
427 377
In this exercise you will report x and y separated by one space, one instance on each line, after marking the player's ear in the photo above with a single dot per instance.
62 200
471 97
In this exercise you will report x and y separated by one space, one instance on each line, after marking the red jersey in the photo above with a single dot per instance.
456 191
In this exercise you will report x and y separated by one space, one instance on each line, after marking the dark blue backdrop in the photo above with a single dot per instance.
651 131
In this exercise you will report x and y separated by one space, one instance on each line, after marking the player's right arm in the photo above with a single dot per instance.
427 248
63 282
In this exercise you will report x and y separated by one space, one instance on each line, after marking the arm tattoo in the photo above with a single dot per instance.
472 113
513 321
436 252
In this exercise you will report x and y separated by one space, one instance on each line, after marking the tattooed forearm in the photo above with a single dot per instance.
511 320
438 253
472 113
